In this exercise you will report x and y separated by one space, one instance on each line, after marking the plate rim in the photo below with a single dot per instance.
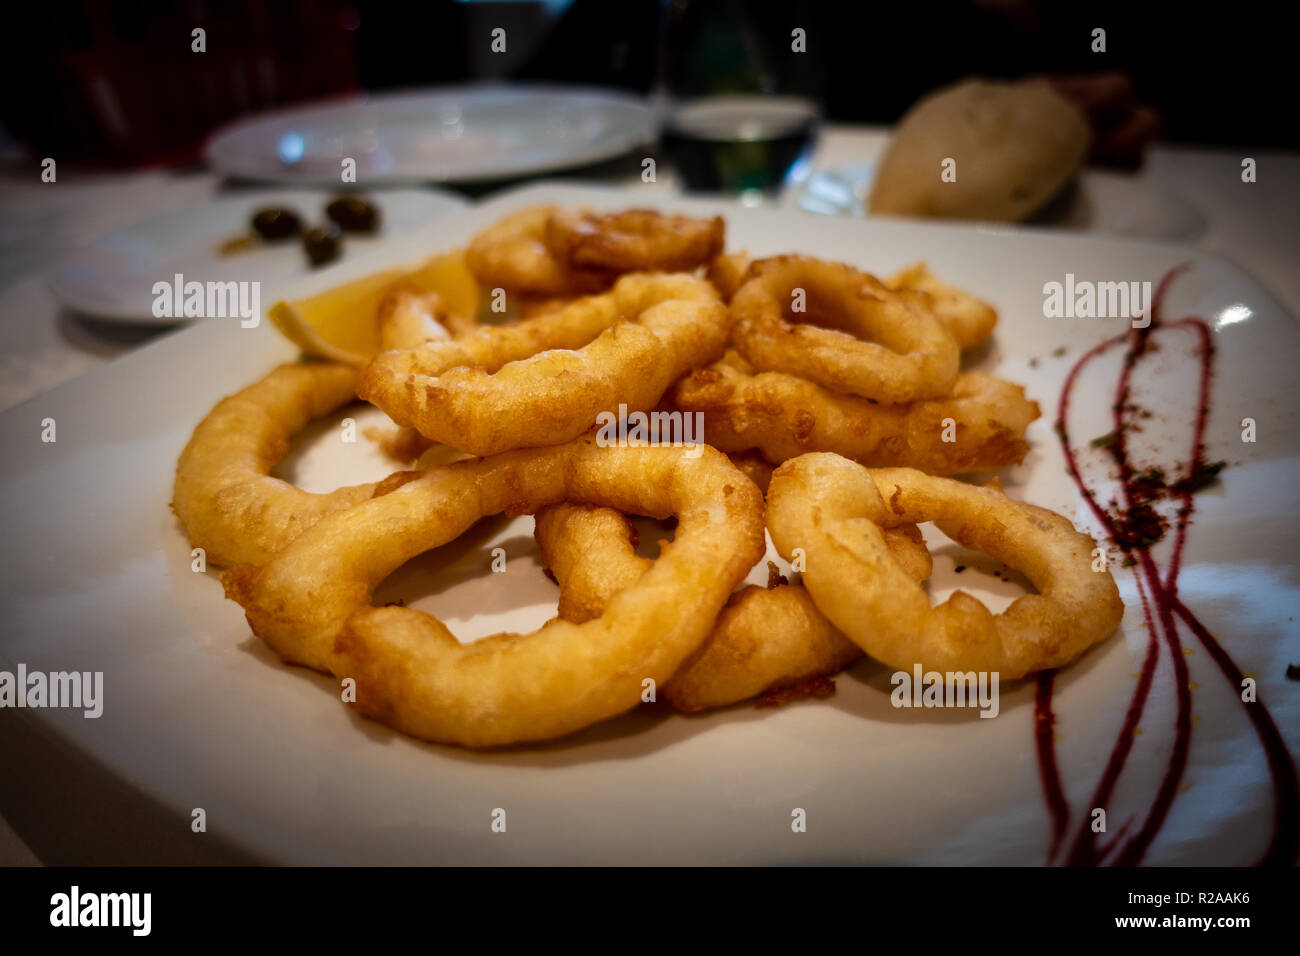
630 103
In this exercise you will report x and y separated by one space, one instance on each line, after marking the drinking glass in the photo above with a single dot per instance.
738 95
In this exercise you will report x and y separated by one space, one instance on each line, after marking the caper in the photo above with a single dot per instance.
353 214
276 223
323 243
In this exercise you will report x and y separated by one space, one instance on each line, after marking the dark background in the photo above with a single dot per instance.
115 81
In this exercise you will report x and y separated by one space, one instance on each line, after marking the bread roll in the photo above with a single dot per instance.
1014 144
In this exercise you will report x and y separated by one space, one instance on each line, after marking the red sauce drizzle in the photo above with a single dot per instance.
1134 526
1044 728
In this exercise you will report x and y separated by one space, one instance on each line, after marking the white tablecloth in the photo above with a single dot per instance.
41 345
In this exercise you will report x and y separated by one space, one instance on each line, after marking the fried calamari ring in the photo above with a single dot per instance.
756 468
513 255
764 638
402 445
312 603
496 389
590 553
409 319
224 494
911 355
783 416
835 511
531 306
968 319
634 240
727 273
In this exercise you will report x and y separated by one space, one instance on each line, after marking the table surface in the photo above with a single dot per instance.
42 345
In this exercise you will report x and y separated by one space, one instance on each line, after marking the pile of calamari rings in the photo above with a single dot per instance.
834 414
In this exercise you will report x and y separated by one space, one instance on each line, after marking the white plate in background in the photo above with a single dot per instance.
113 277
198 713
451 134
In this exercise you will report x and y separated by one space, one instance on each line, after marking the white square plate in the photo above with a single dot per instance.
198 713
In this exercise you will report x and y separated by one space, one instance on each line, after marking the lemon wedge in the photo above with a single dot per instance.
342 323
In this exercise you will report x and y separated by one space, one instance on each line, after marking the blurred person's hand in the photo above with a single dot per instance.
1121 126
